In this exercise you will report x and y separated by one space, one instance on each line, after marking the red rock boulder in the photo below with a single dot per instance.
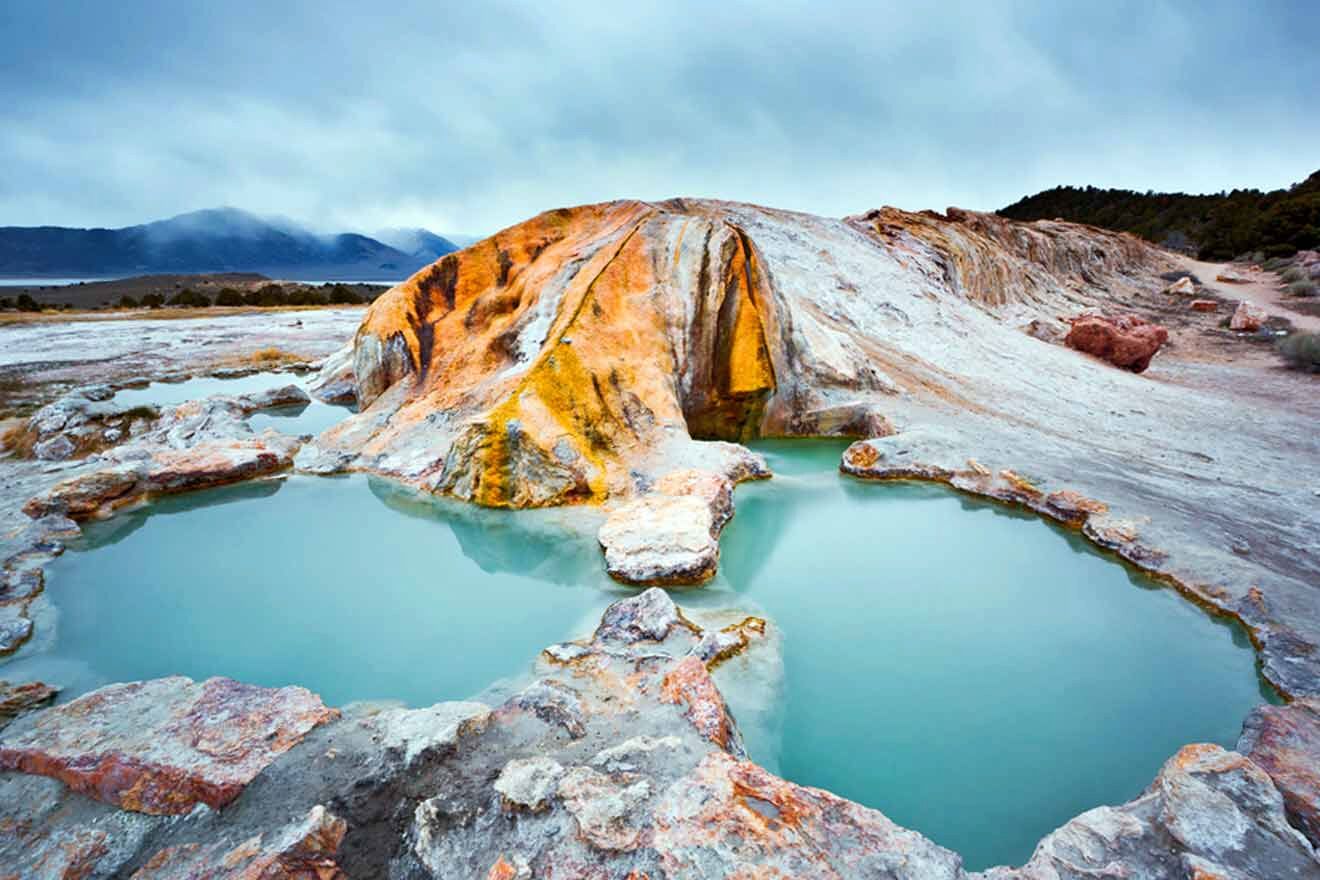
1125 341
163 746
1204 305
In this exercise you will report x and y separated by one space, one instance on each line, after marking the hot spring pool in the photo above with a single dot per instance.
311 418
977 674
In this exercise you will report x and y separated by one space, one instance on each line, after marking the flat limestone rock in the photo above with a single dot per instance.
44 835
163 746
165 471
661 539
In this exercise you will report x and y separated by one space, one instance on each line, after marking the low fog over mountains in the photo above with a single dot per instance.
217 240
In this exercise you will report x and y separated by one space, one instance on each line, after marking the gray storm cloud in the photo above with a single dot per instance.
469 118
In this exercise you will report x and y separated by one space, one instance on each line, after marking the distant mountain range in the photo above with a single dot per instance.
217 240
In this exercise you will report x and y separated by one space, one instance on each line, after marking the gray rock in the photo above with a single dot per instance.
15 627
529 782
1209 809
661 539
649 616
57 448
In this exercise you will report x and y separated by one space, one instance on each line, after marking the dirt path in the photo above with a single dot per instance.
1261 290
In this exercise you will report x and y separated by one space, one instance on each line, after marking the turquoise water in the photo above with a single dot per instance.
973 672
345 586
311 418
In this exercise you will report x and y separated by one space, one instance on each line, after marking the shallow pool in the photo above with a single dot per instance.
310 418
973 672
970 670
347 586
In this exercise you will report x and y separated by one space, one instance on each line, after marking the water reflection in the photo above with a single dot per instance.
316 582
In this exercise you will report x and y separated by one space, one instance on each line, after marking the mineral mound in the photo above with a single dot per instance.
589 352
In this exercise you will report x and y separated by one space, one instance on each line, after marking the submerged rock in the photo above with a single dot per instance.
163 746
1125 341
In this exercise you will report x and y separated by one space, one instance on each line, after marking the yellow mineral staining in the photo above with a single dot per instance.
749 369
734 378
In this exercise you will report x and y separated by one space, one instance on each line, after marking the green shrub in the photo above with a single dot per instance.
6 303
153 300
306 296
268 295
1301 351
1303 288
128 302
189 298
228 296
27 304
343 296
1277 264
1296 273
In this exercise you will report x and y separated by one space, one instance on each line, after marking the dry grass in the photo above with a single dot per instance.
261 359
15 438
271 355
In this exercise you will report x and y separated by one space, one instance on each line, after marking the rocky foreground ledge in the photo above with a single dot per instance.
621 760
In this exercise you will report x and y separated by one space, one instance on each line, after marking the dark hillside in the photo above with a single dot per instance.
1214 227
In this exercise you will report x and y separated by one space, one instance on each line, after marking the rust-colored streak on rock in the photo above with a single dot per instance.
303 850
582 355
163 746
689 683
1284 741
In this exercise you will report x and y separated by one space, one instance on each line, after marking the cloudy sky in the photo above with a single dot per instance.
466 118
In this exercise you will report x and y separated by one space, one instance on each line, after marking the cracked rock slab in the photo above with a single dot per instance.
661 540
163 746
